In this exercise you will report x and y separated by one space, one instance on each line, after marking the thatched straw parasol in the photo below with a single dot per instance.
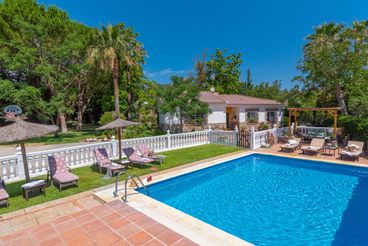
118 124
21 130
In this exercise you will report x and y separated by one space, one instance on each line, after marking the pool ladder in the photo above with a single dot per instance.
130 177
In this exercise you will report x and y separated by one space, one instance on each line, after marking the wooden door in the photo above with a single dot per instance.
229 117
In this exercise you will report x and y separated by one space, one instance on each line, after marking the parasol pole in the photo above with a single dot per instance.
25 161
119 137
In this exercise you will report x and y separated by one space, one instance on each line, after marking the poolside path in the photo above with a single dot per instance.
113 223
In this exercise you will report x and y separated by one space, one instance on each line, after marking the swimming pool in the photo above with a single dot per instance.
270 200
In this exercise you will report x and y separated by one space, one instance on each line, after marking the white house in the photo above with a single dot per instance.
228 111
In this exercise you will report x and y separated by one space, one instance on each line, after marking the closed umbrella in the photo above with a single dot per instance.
21 130
118 124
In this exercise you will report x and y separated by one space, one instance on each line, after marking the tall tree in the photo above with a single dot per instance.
181 99
200 67
118 47
223 72
335 58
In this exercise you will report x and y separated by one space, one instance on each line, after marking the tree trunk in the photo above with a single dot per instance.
115 78
80 109
341 100
129 114
79 118
64 127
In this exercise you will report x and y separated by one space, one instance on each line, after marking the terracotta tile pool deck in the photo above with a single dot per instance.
113 223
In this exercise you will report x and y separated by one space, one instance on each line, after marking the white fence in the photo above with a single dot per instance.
223 137
11 167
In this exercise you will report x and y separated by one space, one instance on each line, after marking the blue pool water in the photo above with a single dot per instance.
268 200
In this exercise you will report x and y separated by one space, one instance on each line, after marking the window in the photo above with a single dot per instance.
271 116
252 117
197 119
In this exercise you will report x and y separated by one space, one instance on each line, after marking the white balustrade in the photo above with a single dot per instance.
8 167
12 166
223 137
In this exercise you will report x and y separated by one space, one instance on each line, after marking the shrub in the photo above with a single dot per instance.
355 127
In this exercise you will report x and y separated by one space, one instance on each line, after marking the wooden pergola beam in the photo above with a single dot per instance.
295 112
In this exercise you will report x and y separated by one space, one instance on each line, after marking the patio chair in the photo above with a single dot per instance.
315 146
353 150
103 161
149 153
291 145
134 157
60 172
4 196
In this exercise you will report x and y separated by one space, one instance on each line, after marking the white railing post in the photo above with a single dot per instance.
252 138
20 166
168 139
236 131
114 147
209 134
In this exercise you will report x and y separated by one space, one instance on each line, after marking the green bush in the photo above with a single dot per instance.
355 127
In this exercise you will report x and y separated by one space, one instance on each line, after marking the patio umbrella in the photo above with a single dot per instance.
21 130
118 124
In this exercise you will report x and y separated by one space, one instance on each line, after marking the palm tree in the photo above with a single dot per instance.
117 46
329 45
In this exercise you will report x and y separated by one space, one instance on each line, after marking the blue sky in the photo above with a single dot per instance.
269 34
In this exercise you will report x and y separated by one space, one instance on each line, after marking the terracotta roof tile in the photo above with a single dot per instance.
210 97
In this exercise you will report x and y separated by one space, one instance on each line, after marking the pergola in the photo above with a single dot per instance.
295 112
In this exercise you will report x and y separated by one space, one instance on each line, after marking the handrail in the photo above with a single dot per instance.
130 177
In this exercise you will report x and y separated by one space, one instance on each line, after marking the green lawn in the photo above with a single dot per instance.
90 178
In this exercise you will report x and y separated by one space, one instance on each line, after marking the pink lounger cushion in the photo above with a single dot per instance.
134 156
65 177
102 157
59 170
3 194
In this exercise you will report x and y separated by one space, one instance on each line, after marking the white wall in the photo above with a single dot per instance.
218 114
261 115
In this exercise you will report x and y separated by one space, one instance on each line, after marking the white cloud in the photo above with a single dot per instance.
165 74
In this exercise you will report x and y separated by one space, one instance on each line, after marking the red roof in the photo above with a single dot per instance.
209 97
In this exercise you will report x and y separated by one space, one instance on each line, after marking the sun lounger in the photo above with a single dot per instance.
4 196
134 157
103 161
60 172
291 146
315 146
148 153
353 150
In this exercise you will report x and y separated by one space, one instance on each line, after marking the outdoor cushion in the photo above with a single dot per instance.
134 156
145 151
33 183
292 142
65 177
311 148
102 157
353 147
350 153
59 170
3 194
